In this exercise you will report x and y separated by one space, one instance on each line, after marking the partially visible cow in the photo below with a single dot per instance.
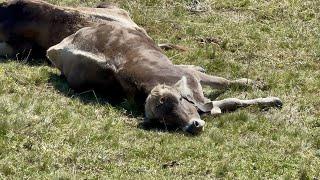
37 25
103 48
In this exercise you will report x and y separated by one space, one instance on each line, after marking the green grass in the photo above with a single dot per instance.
49 132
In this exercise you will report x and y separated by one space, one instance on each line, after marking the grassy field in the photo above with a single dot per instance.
47 131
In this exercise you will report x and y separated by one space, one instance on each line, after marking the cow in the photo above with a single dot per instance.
103 49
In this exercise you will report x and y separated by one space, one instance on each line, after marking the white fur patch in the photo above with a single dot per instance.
89 55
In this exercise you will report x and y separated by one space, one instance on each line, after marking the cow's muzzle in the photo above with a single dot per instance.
196 127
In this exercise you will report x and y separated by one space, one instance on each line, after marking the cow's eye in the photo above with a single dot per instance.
181 98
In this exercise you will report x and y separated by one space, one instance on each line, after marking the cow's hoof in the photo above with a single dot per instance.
267 103
278 103
197 68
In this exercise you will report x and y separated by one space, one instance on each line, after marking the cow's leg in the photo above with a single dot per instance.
6 50
218 82
232 104
223 83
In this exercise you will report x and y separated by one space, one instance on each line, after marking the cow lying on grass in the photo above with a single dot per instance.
102 48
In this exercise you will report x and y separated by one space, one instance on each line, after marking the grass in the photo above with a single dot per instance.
49 132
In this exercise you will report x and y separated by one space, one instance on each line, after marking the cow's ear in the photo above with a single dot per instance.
182 86
185 91
205 107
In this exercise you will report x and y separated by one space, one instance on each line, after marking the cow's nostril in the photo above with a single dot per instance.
196 124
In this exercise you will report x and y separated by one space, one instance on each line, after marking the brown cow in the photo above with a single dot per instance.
104 49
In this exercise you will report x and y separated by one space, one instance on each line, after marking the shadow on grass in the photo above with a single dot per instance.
157 127
95 97
91 96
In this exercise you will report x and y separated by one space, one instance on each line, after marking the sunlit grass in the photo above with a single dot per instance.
48 131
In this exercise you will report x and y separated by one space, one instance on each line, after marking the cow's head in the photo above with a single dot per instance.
168 105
